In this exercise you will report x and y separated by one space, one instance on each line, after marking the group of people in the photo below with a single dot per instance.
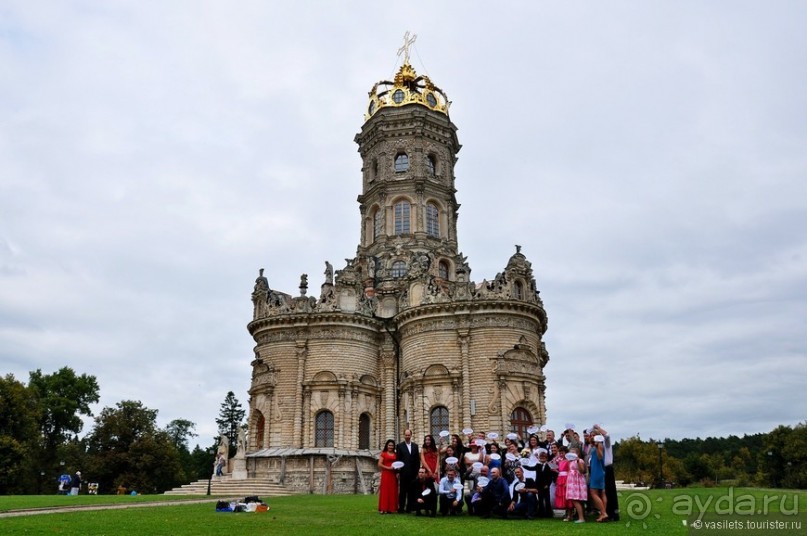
69 485
521 477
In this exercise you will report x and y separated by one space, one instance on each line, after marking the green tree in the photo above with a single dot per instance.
181 431
636 460
230 419
783 460
64 397
19 414
126 447
202 461
697 465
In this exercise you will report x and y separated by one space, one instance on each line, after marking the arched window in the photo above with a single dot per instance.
431 165
432 220
374 170
520 420
442 269
518 290
398 269
260 427
401 162
323 436
364 431
402 211
378 223
439 420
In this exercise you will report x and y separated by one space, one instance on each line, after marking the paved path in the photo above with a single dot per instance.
87 507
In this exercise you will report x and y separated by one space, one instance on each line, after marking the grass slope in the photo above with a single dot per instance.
659 512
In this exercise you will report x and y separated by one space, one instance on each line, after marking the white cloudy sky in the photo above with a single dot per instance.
650 157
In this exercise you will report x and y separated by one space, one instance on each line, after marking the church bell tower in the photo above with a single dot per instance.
399 337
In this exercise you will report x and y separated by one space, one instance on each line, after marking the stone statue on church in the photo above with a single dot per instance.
303 284
241 444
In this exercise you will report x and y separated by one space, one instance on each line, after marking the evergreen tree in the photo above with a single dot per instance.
231 416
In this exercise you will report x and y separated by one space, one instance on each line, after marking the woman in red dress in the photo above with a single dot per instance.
388 490
429 458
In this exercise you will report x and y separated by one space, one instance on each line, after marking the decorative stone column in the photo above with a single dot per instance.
454 410
381 421
463 339
353 412
266 410
343 418
388 359
419 409
305 413
502 384
302 353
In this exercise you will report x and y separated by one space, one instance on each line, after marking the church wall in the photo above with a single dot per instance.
348 351
343 376
278 407
433 341
496 384
318 473
430 367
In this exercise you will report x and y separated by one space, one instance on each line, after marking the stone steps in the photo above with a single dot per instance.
226 486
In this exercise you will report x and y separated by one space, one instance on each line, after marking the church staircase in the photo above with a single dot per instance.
225 486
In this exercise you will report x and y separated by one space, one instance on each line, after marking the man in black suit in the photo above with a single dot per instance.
417 500
543 481
406 452
523 493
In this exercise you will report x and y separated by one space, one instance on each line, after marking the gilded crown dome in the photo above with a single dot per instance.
406 88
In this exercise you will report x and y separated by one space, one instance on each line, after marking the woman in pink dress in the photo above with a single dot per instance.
576 488
560 484
388 489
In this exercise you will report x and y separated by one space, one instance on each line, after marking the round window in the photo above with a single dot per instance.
431 100
398 96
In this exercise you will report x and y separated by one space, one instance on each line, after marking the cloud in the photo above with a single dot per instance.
650 161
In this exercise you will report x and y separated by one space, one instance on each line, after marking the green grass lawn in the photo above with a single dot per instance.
17 502
659 512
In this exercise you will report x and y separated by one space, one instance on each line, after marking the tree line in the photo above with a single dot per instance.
40 423
777 459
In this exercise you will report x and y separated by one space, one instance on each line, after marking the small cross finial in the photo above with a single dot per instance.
407 43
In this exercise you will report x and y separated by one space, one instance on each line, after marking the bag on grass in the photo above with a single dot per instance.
223 506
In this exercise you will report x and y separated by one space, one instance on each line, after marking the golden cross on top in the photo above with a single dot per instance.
407 43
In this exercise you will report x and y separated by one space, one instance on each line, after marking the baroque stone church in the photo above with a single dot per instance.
399 337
